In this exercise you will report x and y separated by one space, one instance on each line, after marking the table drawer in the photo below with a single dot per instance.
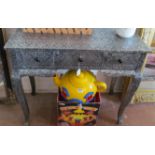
73 59
96 60
34 59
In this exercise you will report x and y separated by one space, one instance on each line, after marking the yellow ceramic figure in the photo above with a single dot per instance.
79 88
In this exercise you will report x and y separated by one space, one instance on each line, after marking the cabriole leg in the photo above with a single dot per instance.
132 87
20 96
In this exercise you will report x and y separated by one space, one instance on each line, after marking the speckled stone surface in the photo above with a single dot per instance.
102 39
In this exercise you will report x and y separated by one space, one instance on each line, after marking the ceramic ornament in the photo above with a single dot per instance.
125 32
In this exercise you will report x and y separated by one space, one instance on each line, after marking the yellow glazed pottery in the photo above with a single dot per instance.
79 88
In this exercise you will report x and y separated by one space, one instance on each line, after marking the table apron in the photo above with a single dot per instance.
57 59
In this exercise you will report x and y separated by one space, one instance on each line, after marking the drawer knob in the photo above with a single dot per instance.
120 61
80 59
36 59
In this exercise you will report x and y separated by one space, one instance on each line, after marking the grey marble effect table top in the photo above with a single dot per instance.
102 39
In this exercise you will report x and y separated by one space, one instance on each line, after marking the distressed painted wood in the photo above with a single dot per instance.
147 35
144 96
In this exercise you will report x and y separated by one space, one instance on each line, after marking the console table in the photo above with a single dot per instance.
43 55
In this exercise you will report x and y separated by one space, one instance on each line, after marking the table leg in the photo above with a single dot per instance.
18 90
132 87
33 86
112 85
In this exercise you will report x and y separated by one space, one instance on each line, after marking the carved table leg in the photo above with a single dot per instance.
133 85
32 81
18 90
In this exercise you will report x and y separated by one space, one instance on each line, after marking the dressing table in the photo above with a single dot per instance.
43 55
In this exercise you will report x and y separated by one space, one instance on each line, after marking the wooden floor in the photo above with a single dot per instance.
43 112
